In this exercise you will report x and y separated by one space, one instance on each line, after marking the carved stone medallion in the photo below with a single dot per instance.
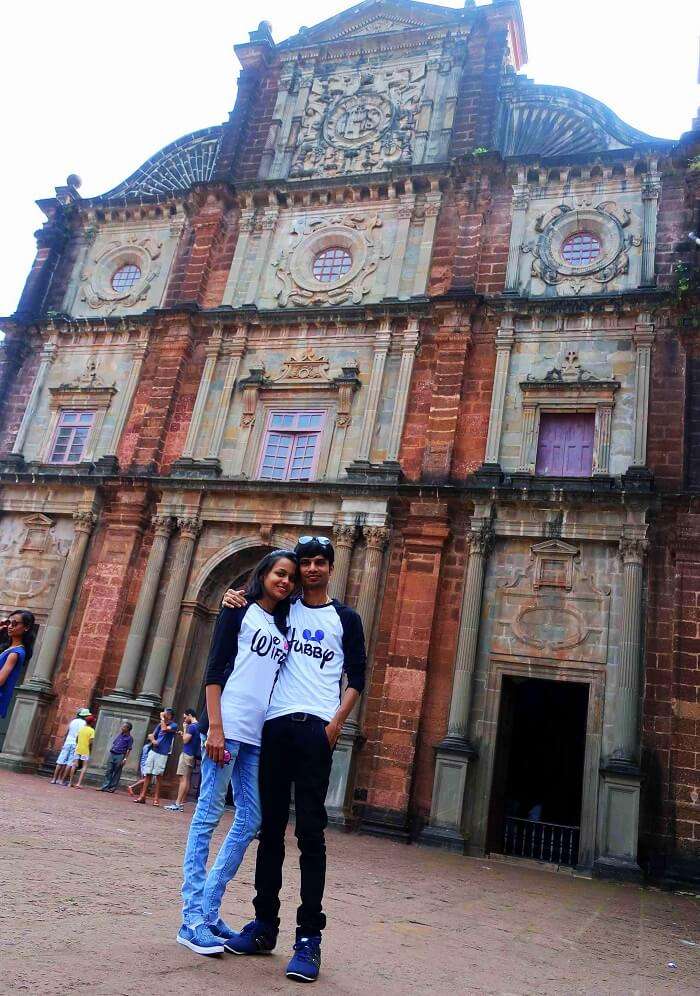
356 120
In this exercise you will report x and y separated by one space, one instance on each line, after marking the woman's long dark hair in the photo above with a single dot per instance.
256 590
28 637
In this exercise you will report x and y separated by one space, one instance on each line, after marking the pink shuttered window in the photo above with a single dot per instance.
290 448
565 445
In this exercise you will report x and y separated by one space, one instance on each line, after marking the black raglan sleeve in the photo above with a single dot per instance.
224 646
354 652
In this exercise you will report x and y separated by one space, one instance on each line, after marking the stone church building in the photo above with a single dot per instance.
410 299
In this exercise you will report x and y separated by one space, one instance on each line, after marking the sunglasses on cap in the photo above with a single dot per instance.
321 540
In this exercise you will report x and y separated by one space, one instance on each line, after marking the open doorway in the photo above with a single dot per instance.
538 772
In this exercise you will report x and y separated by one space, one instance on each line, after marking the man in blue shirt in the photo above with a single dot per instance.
190 752
161 741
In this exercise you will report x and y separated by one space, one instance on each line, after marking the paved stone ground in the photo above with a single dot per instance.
90 904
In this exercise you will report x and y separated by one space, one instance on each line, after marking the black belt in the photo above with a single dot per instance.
302 717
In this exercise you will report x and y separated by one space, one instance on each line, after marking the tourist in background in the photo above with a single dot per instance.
191 751
122 746
161 741
65 759
17 636
83 749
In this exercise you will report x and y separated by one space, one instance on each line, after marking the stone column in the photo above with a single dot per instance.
212 350
504 344
341 784
55 628
371 401
48 355
456 750
129 668
519 206
618 811
651 190
526 463
601 465
343 543
408 355
234 363
132 383
170 612
34 697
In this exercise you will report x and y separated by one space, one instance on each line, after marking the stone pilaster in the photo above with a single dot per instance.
425 249
157 666
269 221
651 191
618 810
504 345
234 362
240 255
48 355
409 347
33 698
455 752
139 355
520 203
212 350
371 401
338 799
405 213
643 340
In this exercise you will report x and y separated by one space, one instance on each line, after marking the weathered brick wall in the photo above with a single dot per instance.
164 398
199 247
17 373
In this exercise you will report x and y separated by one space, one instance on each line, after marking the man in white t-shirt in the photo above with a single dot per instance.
304 719
65 759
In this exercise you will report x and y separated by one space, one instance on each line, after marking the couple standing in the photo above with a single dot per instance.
275 710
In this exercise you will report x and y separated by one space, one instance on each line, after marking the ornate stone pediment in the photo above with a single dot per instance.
552 608
307 368
87 391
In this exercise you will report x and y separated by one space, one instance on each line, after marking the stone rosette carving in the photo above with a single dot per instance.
294 266
96 276
359 121
606 221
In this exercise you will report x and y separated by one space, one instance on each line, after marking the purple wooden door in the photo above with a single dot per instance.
565 446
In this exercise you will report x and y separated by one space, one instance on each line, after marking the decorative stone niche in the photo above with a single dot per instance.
568 388
32 560
552 609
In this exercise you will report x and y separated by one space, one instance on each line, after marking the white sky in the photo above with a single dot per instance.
96 88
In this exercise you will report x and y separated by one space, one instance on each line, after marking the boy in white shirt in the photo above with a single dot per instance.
64 761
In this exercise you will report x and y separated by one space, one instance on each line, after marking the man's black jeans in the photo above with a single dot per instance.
293 751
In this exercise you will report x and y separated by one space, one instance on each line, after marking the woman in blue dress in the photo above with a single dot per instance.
20 632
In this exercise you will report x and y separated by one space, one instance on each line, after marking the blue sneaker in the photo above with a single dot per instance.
305 963
222 930
200 940
255 938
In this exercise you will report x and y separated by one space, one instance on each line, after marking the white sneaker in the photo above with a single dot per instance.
174 808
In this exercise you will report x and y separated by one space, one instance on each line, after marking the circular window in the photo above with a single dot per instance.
125 277
331 264
581 249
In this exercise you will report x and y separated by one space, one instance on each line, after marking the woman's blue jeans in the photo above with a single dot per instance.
202 893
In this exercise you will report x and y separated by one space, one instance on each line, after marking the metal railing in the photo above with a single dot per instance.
550 842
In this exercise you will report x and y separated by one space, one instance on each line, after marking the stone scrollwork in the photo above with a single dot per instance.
353 233
359 121
607 221
96 276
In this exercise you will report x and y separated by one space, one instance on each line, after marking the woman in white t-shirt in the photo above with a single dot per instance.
248 648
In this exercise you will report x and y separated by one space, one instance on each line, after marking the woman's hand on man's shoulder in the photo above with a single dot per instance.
234 599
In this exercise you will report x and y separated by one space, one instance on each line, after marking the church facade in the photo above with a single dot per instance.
410 299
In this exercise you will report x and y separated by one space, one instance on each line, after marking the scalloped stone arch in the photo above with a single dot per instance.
280 540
